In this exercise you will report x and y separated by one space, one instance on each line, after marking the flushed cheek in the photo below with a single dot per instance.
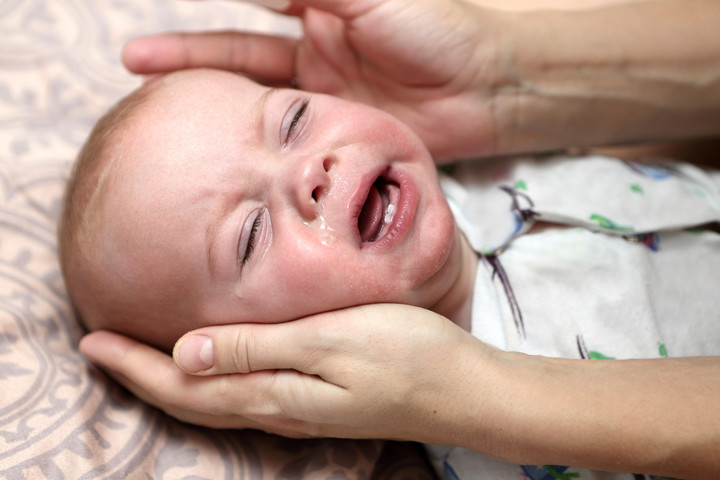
318 277
322 262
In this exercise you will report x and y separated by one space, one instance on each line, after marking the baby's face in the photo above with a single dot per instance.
253 204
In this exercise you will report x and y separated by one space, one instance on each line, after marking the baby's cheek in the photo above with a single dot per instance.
320 276
316 266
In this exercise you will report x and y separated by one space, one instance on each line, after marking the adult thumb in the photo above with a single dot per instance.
245 348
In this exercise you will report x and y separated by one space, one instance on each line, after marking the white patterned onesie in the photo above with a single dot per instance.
633 273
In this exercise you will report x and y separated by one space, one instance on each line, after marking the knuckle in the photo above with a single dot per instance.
164 390
240 352
223 388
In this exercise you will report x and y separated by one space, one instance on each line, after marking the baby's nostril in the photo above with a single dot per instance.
315 193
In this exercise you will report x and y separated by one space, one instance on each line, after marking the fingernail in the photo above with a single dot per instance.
195 353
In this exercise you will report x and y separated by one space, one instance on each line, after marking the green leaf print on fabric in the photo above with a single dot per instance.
559 475
634 187
699 192
599 356
605 222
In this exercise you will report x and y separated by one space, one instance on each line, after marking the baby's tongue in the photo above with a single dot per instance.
370 219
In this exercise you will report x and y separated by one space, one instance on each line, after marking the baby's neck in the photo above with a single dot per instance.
457 304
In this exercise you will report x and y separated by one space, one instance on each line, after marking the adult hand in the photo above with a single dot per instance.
428 62
163 385
400 372
374 371
476 81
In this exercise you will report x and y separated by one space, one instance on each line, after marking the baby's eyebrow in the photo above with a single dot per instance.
211 236
260 107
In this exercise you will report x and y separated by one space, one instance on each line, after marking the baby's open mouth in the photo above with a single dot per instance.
378 211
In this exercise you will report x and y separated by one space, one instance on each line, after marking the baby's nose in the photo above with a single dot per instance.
313 184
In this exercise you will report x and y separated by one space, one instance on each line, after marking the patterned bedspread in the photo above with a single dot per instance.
60 418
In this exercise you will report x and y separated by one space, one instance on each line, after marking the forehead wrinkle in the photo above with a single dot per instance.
225 206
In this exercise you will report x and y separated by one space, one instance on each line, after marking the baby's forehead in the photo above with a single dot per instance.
187 119
205 84
184 116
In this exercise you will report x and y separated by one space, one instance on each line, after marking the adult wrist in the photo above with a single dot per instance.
467 409
629 73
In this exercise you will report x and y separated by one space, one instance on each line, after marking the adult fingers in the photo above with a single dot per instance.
262 56
304 345
163 385
345 9
286 7
127 361
264 400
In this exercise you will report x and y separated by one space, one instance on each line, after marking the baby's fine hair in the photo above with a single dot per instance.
84 191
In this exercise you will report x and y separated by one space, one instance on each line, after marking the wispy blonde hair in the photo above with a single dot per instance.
83 195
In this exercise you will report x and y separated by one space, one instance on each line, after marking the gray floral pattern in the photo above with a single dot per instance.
60 418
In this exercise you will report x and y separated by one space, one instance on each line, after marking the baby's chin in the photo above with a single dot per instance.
456 280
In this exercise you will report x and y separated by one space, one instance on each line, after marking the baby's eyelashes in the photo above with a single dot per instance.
293 122
250 235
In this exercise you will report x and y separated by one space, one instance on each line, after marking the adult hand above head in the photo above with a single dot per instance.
375 371
428 62
476 81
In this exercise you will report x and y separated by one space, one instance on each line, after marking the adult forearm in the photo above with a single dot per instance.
645 416
623 73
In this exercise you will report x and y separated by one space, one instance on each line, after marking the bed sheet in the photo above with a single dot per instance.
60 418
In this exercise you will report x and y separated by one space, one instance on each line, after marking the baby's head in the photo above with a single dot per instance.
205 198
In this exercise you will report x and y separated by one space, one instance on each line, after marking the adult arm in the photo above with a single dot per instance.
640 71
476 81
419 377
